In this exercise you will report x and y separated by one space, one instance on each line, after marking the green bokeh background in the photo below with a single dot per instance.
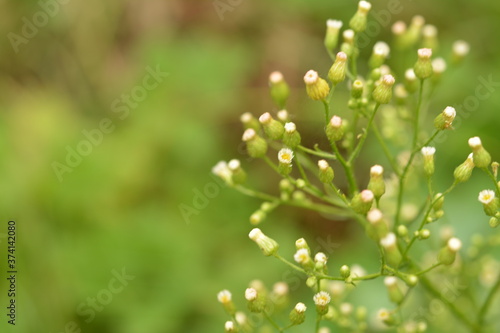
119 208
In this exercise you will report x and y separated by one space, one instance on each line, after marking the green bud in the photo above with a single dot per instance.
320 261
249 121
410 280
337 72
445 119
238 175
380 53
463 172
362 202
429 37
334 129
378 227
448 253
279 89
402 231
286 186
256 301
480 156
411 82
311 282
423 234
317 88
494 222
332 34
386 317
428 154
267 245
291 137
345 271
395 293
273 128
423 66
412 35
376 183
326 173
357 89
302 244
298 314
358 21
382 93
256 146
257 217
392 253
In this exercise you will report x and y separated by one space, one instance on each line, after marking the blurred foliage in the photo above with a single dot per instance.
120 206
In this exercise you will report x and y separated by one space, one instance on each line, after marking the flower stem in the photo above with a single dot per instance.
317 152
417 113
353 187
357 150
487 303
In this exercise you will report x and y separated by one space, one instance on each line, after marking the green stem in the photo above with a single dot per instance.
301 170
428 269
255 194
271 321
297 268
326 104
487 303
353 187
492 177
402 178
386 150
318 152
417 113
357 150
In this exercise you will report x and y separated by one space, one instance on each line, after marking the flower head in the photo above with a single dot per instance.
428 151
250 294
486 196
285 156
224 296
322 298
301 256
300 307
275 77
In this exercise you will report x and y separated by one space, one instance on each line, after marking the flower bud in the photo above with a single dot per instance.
428 154
392 252
317 88
411 83
379 55
291 137
337 72
267 245
423 234
412 35
279 89
386 317
345 271
249 121
283 115
460 51
285 157
490 202
348 42
429 34
423 66
326 173
448 253
303 257
395 293
320 260
302 244
257 217
334 129
399 30
382 93
362 202
378 228
402 231
463 172
298 314
256 301
376 183
332 34
358 21
494 222
322 300
256 146
480 156
222 170
445 119
357 89
439 201
438 67
225 298
239 176
229 327
273 128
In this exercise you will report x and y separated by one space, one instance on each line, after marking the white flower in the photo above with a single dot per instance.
311 77
346 308
486 196
280 288
429 31
398 28
454 244
301 243
410 74
376 170
290 127
250 294
323 165
383 314
223 170
366 196
428 151
301 256
334 24
348 35
300 307
322 298
364 6
282 115
381 49
276 77
475 142
357 271
461 48
249 134
265 118
388 79
450 112
341 56
255 234
374 216
241 317
246 117
224 296
234 164
336 122
320 257
285 156
439 65
389 240
390 281
229 326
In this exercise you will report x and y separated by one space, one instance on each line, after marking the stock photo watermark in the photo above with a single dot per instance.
223 6
121 106
87 309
